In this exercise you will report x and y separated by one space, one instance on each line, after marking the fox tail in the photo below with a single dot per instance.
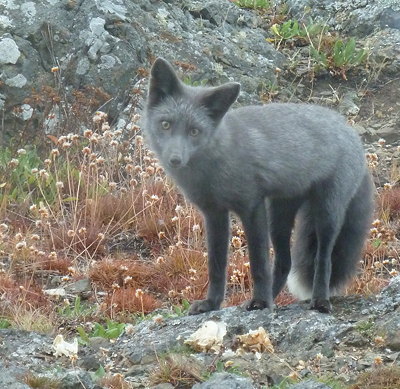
347 249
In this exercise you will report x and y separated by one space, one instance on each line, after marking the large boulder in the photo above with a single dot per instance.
358 17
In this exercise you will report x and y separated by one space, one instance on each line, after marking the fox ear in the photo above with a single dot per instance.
218 100
163 82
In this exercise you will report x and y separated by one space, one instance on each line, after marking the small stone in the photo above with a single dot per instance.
89 362
225 381
17 82
76 380
309 384
79 287
9 52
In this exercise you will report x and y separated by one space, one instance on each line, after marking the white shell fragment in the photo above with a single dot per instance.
208 338
61 347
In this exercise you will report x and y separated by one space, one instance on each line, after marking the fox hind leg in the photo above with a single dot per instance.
281 213
329 205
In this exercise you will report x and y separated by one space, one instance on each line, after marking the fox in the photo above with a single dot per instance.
283 168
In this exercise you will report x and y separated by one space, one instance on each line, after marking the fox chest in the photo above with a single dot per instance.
213 189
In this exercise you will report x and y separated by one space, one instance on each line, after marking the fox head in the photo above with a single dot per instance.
181 120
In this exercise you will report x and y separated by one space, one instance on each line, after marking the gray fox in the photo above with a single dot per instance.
282 160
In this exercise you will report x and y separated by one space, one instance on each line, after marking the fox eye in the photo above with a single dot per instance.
194 132
165 125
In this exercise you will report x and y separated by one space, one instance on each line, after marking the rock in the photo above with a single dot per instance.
89 362
97 342
58 292
391 292
385 50
388 132
348 104
8 378
364 132
392 333
309 384
389 327
21 346
358 17
79 287
76 380
390 18
163 386
9 52
225 381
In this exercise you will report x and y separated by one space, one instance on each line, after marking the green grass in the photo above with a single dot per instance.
220 367
21 178
4 323
340 57
111 330
327 50
366 328
329 381
292 29
253 4
75 310
189 81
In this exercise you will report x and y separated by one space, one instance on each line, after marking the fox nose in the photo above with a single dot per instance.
175 161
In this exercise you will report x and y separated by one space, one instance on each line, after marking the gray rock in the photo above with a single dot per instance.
89 362
389 326
8 378
391 331
225 381
309 384
76 380
357 17
389 132
390 18
79 287
9 52
26 112
17 82
392 291
385 50
98 342
163 386
348 104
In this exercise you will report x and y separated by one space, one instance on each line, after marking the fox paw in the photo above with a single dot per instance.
201 306
321 305
253 304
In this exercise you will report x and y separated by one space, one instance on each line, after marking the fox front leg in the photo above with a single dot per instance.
217 226
256 229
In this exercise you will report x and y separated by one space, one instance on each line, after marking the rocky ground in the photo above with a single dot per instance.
72 44
360 334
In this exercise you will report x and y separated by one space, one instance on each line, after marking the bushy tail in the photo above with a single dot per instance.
347 249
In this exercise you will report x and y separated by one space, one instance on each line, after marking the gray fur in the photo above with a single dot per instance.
304 159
